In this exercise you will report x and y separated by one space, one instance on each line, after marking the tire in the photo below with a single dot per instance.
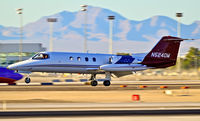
27 80
94 83
106 83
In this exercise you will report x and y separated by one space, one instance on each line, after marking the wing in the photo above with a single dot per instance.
122 73
92 69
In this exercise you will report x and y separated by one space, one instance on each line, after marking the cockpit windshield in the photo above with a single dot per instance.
40 56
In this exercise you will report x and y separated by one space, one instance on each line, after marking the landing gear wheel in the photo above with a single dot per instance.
106 83
27 80
94 83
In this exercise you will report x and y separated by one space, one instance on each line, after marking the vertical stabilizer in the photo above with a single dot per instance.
164 54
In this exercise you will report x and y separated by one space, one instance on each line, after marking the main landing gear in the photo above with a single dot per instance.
94 83
106 82
93 80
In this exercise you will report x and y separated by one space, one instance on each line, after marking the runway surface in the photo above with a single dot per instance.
101 113
97 106
98 109
116 85
39 107
108 118
116 112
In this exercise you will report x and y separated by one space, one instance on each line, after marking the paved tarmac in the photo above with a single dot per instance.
98 106
174 114
101 113
116 85
137 111
107 118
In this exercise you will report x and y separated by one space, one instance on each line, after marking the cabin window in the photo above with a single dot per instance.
78 58
41 56
94 59
71 58
86 59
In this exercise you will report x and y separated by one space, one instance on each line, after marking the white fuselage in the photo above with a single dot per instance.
62 62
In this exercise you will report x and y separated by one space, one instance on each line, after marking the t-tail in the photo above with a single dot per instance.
164 54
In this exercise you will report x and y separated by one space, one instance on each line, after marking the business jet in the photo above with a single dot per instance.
163 55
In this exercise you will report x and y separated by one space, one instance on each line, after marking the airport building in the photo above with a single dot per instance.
9 52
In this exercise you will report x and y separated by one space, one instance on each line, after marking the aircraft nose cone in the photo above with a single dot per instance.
20 66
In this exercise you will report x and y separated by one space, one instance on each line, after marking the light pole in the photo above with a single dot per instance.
20 13
51 21
179 15
84 9
110 18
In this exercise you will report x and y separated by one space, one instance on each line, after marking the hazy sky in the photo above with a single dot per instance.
131 9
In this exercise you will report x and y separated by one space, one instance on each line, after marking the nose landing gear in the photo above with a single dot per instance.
27 80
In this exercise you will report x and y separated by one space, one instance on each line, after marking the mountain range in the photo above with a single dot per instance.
128 35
